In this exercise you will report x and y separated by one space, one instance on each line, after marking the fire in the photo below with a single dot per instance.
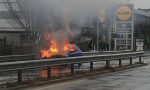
47 53
66 46
54 48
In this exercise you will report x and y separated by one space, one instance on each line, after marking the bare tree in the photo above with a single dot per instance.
23 15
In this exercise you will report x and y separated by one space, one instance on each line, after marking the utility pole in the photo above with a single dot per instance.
97 34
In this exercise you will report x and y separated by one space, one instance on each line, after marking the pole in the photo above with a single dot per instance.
140 59
109 40
72 69
120 62
97 34
49 72
130 61
19 76
107 64
91 66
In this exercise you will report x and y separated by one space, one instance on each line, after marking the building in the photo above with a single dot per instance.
141 29
12 36
142 26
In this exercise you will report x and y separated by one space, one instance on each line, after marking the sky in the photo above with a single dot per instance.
144 4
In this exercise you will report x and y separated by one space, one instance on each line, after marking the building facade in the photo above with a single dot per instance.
12 36
142 27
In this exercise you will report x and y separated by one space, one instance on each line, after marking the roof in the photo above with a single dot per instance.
147 14
6 25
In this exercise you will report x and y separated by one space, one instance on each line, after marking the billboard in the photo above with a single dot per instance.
124 27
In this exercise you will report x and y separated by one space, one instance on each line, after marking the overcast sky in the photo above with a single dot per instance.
141 3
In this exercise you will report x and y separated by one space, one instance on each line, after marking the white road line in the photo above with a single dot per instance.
63 84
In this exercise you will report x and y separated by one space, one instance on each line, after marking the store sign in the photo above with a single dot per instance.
139 44
124 27
124 12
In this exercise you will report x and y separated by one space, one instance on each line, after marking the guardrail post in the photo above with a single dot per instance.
107 64
140 59
49 72
120 62
131 61
19 76
72 68
91 66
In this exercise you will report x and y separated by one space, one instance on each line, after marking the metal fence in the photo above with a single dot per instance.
12 58
20 66
15 50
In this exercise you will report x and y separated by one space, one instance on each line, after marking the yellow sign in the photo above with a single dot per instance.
102 15
124 13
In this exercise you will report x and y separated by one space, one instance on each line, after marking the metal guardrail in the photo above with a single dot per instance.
12 58
146 55
31 64
103 52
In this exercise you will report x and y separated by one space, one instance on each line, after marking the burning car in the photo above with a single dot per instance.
72 51
59 47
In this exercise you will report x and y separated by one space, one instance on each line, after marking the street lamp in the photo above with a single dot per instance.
102 15
102 18
100 21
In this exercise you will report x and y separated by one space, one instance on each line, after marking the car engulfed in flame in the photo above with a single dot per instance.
54 50
57 49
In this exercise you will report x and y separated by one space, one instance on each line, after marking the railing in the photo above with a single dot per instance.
100 52
12 58
33 64
146 57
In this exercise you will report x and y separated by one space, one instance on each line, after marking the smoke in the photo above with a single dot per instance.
63 18
61 14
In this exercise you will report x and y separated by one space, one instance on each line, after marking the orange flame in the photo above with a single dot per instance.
66 46
54 49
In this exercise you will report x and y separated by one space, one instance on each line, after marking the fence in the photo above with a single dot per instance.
12 58
35 64
15 50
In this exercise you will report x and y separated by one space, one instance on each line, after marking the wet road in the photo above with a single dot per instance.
133 79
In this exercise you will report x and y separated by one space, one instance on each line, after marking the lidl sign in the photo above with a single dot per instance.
124 13
124 27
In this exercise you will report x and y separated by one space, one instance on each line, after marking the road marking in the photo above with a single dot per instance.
63 84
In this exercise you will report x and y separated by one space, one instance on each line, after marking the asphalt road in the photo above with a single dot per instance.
133 79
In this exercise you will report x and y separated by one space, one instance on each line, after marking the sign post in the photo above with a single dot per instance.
124 28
